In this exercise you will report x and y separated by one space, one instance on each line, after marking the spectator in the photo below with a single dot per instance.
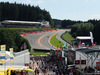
60 73
95 70
85 69
54 73
36 71
70 73
57 71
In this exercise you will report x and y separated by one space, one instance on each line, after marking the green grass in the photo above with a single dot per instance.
54 41
68 37
35 53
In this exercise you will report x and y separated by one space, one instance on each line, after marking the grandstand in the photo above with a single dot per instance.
26 24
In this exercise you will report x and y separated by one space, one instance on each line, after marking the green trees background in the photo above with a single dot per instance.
65 23
23 12
81 29
96 32
12 40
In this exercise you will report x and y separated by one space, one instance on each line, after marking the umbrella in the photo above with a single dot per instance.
30 70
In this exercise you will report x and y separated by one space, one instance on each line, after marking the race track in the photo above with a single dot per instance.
40 40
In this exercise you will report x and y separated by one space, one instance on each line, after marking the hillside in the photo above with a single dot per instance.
23 12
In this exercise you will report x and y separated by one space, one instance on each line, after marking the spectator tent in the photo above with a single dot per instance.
84 39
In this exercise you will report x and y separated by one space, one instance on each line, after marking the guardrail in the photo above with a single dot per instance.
64 39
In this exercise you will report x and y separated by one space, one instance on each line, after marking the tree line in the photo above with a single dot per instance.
81 28
12 39
23 12
65 23
84 28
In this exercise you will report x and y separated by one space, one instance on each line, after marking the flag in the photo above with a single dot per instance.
21 47
57 47
60 47
64 45
91 35
24 46
79 44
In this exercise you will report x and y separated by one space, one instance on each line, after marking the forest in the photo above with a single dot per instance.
23 12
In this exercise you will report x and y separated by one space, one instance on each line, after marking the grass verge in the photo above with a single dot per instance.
68 37
54 41
37 53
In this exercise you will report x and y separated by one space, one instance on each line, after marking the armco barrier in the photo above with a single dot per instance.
64 39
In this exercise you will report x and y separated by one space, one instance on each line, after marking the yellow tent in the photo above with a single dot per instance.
20 69
2 72
30 70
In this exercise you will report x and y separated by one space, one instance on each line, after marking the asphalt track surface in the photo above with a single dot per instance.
41 40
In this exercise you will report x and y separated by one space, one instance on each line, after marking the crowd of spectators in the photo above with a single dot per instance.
90 70
53 64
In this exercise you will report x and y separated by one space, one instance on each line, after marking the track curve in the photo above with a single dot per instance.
40 40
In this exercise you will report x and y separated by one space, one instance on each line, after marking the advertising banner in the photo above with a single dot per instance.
11 55
2 55
77 62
